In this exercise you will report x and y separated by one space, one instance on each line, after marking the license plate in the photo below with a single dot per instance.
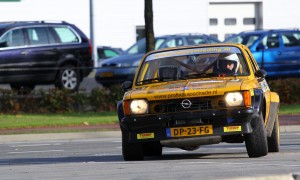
106 74
189 131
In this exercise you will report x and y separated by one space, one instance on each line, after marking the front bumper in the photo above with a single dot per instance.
159 125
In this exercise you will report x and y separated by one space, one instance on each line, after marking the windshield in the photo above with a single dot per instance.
140 46
191 64
246 39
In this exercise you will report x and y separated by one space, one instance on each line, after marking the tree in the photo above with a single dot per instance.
150 41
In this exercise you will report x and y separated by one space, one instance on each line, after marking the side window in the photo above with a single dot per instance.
37 36
109 53
13 38
174 42
271 41
195 40
291 39
66 35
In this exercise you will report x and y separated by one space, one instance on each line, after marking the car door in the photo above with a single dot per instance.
43 53
268 58
14 62
290 61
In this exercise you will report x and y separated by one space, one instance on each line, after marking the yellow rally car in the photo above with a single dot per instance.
190 96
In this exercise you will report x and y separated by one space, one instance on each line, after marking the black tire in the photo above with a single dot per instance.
256 142
152 149
68 78
131 151
274 140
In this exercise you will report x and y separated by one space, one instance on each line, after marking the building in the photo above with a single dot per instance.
120 23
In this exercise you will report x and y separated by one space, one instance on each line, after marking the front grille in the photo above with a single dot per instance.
175 106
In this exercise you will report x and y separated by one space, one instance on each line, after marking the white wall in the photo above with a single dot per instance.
281 14
116 20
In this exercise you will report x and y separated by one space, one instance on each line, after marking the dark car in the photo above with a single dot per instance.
276 51
122 68
105 52
39 52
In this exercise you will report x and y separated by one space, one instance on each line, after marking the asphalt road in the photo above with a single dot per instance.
100 158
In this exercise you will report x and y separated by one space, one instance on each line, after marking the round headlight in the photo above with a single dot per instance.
234 99
139 106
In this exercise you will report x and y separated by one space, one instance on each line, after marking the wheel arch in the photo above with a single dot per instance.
73 62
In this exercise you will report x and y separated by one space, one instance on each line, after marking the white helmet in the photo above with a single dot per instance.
230 58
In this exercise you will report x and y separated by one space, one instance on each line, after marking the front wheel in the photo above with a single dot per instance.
274 140
256 142
68 78
131 151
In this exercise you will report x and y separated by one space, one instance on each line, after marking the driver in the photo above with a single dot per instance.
228 64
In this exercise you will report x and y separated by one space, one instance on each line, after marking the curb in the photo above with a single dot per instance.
59 136
295 176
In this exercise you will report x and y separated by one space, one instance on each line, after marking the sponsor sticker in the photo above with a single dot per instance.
145 136
232 128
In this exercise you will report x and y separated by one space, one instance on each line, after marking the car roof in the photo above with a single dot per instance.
241 46
181 35
11 24
261 31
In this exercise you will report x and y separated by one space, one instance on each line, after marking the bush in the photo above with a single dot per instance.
60 101
288 89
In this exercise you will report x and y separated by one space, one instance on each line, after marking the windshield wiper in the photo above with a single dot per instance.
153 80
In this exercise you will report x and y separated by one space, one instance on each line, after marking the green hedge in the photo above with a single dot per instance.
60 101
103 99
288 89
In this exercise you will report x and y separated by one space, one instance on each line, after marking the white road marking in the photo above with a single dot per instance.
254 164
27 152
34 145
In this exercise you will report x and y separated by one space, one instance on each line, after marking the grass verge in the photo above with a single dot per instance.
9 121
56 120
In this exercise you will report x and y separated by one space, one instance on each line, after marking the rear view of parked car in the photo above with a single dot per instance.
40 52
122 68
105 52
276 51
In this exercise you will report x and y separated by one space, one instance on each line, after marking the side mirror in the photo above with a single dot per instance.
126 85
261 73
261 47
3 44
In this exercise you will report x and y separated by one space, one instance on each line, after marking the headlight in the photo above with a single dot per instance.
234 99
139 106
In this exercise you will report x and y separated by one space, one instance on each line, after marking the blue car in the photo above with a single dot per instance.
276 51
122 68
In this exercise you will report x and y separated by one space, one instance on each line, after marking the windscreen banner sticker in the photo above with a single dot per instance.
206 50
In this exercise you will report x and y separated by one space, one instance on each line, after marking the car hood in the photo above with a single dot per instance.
188 89
131 59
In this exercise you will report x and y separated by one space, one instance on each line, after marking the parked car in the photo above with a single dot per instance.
122 68
190 96
105 52
40 52
276 51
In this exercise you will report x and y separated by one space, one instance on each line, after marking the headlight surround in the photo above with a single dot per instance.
139 106
233 99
